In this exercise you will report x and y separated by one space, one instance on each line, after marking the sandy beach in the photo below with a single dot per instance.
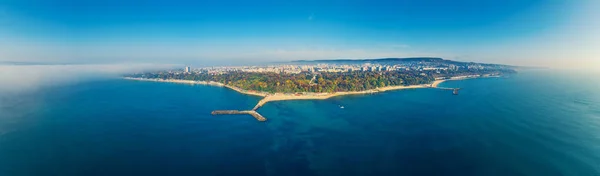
322 96
211 83
309 95
268 97
177 81
437 82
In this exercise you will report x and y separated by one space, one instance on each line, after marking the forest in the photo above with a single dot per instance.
301 82
317 82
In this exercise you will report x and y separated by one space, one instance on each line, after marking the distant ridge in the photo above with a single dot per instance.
393 60
408 59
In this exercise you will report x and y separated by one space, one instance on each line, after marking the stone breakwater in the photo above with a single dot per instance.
254 114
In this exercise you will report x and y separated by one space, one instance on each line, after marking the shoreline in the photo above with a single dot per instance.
323 96
210 83
292 96
268 97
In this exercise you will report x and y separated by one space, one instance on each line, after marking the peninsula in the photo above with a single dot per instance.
323 79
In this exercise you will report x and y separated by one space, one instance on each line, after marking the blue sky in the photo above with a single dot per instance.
553 33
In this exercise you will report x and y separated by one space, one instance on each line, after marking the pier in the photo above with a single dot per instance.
260 103
454 90
253 113
446 88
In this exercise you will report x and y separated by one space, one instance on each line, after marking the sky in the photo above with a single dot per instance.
547 33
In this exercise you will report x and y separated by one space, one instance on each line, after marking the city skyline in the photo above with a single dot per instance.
554 34
344 66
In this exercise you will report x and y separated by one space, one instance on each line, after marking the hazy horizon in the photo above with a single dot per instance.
554 34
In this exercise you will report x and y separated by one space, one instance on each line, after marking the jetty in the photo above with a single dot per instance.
253 113
260 104
454 90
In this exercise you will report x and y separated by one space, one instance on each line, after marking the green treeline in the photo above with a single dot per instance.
302 82
320 82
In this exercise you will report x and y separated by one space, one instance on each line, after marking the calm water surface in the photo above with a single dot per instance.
532 123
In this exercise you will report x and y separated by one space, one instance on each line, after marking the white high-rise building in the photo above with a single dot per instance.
187 69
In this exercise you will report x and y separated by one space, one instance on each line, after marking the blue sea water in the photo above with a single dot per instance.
532 123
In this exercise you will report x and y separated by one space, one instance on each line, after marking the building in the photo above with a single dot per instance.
372 69
452 67
187 69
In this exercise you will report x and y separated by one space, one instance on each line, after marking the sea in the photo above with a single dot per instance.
536 122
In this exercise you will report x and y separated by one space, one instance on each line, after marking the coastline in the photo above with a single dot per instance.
291 96
268 97
323 96
210 83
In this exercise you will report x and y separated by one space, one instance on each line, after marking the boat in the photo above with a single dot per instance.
341 107
455 92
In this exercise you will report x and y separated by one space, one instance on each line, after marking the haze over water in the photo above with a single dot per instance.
531 123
